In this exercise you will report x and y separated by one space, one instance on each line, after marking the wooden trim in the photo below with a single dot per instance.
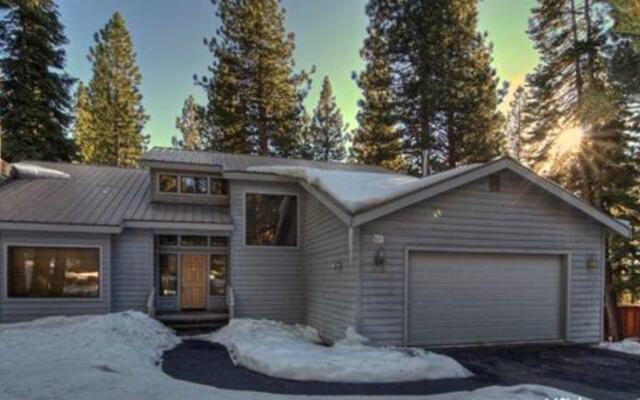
566 264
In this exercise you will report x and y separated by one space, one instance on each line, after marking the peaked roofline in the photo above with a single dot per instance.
445 185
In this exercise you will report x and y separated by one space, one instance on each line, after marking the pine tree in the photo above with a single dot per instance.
85 136
115 102
255 99
376 140
447 90
574 90
190 125
327 132
626 14
35 104
516 124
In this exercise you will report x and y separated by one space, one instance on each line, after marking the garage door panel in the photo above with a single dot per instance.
480 298
489 294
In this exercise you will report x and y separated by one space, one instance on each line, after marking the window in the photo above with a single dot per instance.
193 241
218 186
168 240
194 185
271 220
168 275
168 183
219 241
217 274
54 272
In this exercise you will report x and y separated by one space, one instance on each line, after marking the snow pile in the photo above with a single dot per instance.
30 171
628 346
359 190
519 392
295 352
116 357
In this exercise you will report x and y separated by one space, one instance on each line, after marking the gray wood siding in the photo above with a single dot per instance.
268 282
15 310
332 295
132 269
519 217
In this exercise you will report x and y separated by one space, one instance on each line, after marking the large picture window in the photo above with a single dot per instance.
54 272
168 275
271 220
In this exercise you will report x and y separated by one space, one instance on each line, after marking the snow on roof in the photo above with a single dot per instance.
32 171
357 191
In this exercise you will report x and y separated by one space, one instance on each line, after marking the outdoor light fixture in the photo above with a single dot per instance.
378 260
592 262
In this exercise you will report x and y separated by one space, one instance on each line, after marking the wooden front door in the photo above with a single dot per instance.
193 289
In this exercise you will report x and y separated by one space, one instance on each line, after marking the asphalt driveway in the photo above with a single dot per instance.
595 373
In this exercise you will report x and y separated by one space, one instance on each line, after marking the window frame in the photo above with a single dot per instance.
179 250
159 280
179 192
273 193
160 175
101 275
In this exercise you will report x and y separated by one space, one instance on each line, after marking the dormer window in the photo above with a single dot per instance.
168 183
218 186
194 184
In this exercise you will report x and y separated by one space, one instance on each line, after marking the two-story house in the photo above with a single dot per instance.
484 253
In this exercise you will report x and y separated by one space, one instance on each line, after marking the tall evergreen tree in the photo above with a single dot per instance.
327 133
190 125
447 90
114 99
376 141
573 87
516 125
85 135
35 104
255 98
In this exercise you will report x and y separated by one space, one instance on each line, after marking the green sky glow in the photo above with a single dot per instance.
168 38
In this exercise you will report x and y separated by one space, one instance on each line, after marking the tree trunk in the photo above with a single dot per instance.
574 31
610 300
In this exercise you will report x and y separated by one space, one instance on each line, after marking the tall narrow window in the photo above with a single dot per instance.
271 220
54 272
168 274
217 274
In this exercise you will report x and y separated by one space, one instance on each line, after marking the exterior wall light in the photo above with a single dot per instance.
592 262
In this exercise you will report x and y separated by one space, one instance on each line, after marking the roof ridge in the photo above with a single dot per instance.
221 153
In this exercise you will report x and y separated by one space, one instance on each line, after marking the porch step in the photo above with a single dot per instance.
194 322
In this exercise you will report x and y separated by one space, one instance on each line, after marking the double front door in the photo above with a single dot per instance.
193 285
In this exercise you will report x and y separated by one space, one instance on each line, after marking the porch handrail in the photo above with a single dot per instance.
151 309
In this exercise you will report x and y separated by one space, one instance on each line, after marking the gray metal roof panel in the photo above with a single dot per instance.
240 162
95 196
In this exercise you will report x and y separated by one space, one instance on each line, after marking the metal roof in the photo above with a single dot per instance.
96 196
241 162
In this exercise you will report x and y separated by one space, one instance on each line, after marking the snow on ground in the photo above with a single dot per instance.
117 356
629 346
295 352
359 190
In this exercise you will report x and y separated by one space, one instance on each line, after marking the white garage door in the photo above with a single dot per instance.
469 298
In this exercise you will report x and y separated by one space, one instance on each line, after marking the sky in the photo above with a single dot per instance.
168 38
